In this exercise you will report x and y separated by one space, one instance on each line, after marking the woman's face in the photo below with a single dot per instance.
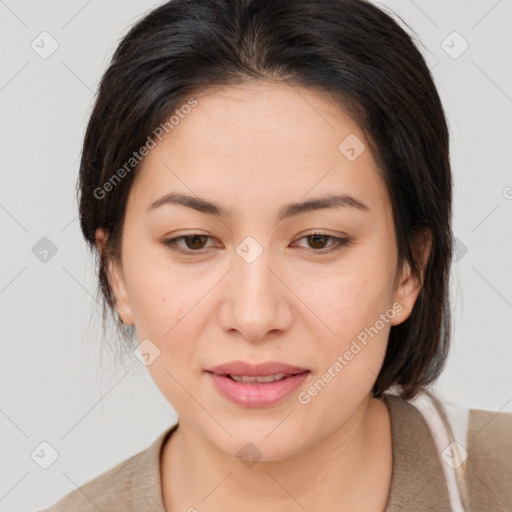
256 284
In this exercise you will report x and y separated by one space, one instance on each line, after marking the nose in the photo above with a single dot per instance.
256 298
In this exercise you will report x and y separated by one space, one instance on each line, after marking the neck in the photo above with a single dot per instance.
348 470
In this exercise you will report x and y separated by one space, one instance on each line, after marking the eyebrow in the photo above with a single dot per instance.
285 212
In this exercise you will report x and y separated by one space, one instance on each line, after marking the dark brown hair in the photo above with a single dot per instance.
347 49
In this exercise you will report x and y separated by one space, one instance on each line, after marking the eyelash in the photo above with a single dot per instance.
171 243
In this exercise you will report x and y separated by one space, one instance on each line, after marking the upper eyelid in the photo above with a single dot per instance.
337 239
318 232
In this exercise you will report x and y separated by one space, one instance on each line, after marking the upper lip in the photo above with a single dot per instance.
253 370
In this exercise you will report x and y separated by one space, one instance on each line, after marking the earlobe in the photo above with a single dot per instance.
120 293
116 280
410 284
101 238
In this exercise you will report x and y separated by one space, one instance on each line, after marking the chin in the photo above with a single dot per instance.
255 444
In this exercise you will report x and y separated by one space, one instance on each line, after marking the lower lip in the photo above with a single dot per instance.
259 394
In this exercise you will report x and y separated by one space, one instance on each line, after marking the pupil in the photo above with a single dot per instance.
194 238
315 238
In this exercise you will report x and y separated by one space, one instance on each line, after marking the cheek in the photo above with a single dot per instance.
349 360
156 303
355 310
350 299
168 307
157 295
163 309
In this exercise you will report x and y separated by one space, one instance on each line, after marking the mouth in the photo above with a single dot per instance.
274 369
261 379
258 385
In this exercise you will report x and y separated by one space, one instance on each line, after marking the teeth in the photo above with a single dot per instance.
266 378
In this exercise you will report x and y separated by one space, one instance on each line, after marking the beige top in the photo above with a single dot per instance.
417 484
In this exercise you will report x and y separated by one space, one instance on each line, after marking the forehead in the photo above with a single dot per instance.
261 138
264 119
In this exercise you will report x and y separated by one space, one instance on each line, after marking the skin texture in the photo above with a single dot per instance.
252 149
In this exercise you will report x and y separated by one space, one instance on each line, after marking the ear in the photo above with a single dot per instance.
116 280
409 285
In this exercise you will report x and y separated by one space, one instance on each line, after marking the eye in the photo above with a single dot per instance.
195 243
318 240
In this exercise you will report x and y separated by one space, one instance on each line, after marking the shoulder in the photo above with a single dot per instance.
475 430
475 446
484 423
489 458
124 487
101 492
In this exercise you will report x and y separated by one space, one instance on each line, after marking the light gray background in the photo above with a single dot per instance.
54 387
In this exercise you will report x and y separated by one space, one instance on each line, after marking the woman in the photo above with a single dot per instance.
268 186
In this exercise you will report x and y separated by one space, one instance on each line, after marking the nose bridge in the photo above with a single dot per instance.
252 269
256 302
